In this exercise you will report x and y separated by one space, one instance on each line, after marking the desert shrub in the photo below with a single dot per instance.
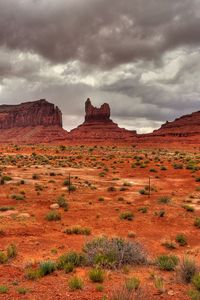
78 230
187 269
188 208
68 267
196 281
159 284
32 274
169 244
194 295
6 208
4 289
35 176
96 275
53 216
22 291
62 202
197 222
101 199
132 283
11 251
164 200
47 267
7 178
75 283
76 259
114 252
18 197
127 215
167 262
111 189
181 239
72 188
143 210
3 258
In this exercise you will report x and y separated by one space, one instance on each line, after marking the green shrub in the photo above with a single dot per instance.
127 215
196 281
197 222
164 200
188 208
143 210
6 208
76 259
187 269
78 230
3 258
53 216
114 252
75 283
132 283
167 262
12 251
68 267
3 289
194 295
96 275
22 291
46 267
62 202
32 274
181 239
111 189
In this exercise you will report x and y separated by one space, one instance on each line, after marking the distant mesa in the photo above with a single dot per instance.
41 122
36 113
98 127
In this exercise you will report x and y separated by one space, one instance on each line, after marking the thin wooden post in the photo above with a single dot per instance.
149 186
69 186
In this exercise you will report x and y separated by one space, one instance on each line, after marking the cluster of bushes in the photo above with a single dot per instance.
11 252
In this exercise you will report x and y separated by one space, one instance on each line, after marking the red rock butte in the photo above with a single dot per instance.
41 122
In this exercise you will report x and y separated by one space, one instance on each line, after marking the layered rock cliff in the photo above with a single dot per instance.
37 113
98 127
31 122
184 126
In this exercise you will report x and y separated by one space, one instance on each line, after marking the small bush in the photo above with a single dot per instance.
96 275
181 239
197 222
11 251
68 267
47 267
78 230
53 216
75 283
62 202
114 252
73 258
132 283
188 208
187 269
3 289
3 258
32 274
164 200
127 215
22 291
111 189
194 295
196 281
167 262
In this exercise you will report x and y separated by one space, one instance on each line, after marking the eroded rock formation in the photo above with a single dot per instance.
37 113
31 122
99 127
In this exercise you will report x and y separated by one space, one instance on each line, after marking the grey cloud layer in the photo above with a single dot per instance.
140 56
100 32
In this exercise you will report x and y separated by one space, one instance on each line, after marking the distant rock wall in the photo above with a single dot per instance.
37 113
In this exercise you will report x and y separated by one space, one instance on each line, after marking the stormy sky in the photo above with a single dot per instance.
140 56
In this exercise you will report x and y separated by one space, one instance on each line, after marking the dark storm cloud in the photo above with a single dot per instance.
100 32
142 57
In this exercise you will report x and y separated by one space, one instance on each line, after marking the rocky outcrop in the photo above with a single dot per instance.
31 122
184 126
98 127
94 114
37 113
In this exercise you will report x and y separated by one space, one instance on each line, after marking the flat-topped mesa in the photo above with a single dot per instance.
94 114
187 125
30 114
